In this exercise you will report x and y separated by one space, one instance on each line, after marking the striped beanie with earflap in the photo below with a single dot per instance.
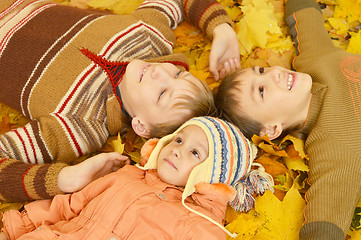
230 161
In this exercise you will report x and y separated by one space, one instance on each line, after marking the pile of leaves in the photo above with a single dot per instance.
264 41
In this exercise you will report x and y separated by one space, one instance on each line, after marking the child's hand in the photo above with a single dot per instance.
74 178
3 236
224 57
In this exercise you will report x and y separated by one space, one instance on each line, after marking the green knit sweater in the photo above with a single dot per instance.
68 98
333 126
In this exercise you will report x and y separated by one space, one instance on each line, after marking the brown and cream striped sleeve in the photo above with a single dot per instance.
203 14
24 182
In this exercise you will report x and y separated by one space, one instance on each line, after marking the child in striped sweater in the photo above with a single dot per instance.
77 73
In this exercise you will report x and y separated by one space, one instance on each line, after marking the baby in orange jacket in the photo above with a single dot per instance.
181 193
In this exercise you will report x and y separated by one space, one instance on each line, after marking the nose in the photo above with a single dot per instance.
272 77
159 73
276 75
175 152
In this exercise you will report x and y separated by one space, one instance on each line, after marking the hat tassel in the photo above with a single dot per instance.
257 181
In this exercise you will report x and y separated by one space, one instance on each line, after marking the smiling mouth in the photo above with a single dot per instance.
290 81
142 71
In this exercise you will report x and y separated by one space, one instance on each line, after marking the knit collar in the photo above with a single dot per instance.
318 92
115 71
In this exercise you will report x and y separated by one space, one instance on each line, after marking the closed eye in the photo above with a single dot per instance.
161 94
178 73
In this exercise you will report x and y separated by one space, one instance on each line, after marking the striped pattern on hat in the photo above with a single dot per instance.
230 154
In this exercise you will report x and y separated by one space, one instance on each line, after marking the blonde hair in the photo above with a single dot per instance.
200 103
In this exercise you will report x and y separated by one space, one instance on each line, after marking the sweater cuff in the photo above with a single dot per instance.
52 187
321 231
294 6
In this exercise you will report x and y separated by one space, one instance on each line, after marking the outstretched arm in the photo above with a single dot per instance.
21 181
207 15
74 178
306 26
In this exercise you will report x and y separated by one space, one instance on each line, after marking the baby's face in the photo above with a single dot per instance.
151 91
177 159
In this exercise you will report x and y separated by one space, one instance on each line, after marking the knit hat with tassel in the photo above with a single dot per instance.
230 161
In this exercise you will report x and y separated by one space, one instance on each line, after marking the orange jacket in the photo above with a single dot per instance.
128 204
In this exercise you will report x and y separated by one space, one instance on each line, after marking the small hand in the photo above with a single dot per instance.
3 236
74 178
224 57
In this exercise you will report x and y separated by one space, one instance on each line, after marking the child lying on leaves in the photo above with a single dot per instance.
83 75
181 193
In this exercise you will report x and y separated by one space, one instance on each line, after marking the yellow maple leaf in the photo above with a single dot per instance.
355 43
118 145
283 220
9 206
268 146
271 218
297 143
202 61
257 23
340 25
354 235
233 12
348 9
296 164
245 225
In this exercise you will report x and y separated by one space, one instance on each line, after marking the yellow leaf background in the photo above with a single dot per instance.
264 41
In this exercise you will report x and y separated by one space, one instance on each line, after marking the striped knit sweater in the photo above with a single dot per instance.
67 97
333 124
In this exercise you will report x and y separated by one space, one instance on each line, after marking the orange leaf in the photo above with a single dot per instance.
272 166
5 125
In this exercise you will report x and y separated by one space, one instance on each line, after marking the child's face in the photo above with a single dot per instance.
277 95
150 91
177 159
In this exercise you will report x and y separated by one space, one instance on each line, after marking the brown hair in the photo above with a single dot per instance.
200 103
229 108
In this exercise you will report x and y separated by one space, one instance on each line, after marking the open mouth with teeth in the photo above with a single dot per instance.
142 72
290 81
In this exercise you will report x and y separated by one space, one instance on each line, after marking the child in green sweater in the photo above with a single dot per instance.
320 102
77 73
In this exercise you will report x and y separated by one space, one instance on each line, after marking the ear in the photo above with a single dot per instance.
273 131
139 127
